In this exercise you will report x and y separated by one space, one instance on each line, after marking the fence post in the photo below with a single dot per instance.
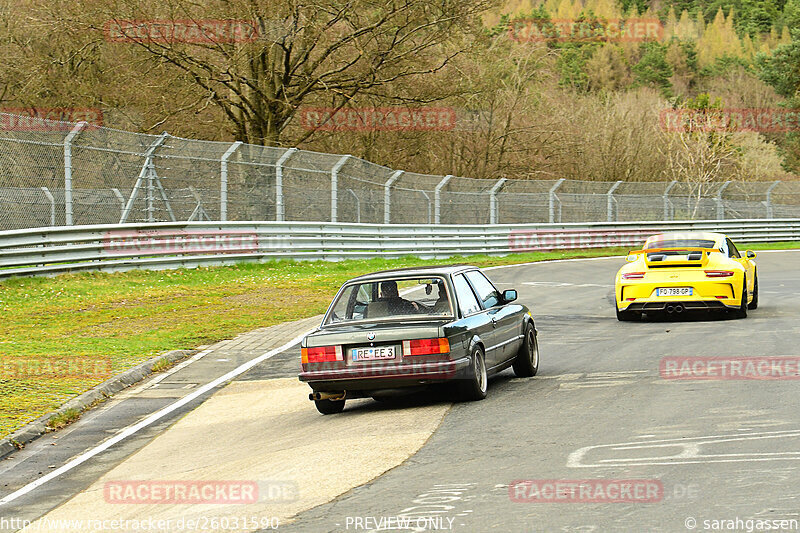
610 215
146 172
52 205
428 198
358 205
68 171
667 202
769 198
493 200
120 198
718 199
387 195
553 190
335 187
223 180
279 183
437 199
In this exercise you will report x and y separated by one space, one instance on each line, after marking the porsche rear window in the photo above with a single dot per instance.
682 243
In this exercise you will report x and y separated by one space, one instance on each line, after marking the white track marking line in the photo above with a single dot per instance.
131 430
691 453
159 378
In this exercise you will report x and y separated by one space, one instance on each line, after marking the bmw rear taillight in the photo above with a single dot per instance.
633 275
426 347
321 354
719 273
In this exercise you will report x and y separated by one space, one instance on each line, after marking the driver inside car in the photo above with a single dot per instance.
396 304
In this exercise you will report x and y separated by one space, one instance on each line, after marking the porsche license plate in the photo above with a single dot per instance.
674 291
374 353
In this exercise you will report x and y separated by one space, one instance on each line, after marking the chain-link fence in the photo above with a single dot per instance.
62 173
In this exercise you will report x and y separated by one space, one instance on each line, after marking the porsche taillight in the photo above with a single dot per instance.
719 273
426 347
633 275
321 354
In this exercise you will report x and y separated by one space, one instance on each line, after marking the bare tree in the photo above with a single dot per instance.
321 51
699 158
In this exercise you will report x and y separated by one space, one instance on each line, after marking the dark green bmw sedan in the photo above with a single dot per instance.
397 331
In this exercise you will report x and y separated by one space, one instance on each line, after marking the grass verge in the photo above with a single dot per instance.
111 322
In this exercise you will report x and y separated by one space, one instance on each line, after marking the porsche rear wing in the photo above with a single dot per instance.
675 257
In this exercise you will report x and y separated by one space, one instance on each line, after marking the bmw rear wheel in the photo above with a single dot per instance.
329 407
476 383
526 364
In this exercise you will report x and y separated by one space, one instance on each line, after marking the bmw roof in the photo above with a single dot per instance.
441 270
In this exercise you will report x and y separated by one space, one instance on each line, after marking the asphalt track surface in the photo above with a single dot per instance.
599 409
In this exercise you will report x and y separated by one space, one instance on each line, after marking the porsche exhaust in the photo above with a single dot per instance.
670 309
679 309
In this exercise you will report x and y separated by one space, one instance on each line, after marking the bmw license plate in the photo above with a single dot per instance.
374 353
674 291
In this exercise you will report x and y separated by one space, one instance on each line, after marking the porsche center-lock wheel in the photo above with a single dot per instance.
474 386
742 311
626 316
329 407
526 363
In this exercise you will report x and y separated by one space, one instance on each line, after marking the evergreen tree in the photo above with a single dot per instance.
653 70
791 14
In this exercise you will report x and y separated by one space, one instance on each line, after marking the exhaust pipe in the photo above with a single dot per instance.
670 309
679 308
327 395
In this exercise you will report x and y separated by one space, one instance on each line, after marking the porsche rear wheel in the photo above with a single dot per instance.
475 385
742 311
754 304
626 316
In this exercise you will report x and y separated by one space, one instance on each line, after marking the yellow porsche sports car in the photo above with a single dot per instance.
677 272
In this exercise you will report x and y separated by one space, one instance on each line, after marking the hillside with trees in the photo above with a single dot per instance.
527 108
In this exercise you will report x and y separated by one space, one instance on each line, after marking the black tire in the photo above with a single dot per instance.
329 407
474 386
754 303
742 311
626 316
526 364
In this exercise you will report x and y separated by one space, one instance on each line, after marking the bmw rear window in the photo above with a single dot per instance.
388 299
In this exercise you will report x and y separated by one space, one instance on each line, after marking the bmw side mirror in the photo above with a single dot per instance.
509 295
750 254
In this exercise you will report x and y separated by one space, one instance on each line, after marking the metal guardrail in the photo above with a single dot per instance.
54 250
